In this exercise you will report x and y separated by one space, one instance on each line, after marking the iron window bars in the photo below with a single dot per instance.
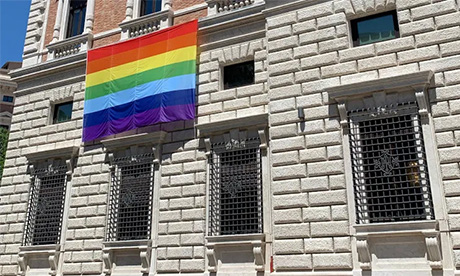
235 201
389 165
131 193
46 206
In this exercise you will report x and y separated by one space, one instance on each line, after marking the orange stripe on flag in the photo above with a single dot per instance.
142 41
141 53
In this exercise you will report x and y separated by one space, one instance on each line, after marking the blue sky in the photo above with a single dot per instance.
13 25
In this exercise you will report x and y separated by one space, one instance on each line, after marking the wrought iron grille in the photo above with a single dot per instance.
131 193
46 206
390 172
235 188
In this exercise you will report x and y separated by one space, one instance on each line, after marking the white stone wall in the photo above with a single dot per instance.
305 52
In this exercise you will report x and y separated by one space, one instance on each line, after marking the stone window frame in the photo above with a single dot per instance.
354 29
146 249
52 252
62 17
436 239
241 60
260 243
133 8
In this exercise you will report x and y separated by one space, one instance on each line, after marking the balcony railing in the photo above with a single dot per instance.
70 46
146 24
218 6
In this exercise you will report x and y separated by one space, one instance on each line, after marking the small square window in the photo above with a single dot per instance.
375 28
62 112
8 99
240 74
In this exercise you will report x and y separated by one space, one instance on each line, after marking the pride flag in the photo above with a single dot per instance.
140 82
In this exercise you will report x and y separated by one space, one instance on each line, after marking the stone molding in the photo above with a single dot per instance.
146 24
428 229
71 152
218 127
28 252
110 249
360 89
156 137
257 241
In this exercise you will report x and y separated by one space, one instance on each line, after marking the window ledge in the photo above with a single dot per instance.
422 78
391 228
224 125
256 241
143 247
52 153
427 229
146 24
235 239
156 137
70 46
26 253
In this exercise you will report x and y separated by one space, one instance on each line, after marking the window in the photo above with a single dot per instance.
46 206
375 28
8 99
240 74
390 171
77 14
235 188
131 193
150 6
62 112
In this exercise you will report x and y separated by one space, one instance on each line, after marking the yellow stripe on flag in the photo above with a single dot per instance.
138 66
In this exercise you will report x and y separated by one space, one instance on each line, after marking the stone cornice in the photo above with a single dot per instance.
49 67
290 6
235 18
154 138
207 129
360 88
52 153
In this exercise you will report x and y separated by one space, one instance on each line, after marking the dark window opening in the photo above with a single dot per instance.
46 206
62 112
389 166
77 14
131 199
8 99
150 6
375 28
240 74
236 190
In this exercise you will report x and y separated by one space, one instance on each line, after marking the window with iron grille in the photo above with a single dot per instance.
46 206
235 188
390 171
131 193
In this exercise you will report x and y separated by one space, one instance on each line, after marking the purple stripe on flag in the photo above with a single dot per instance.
149 117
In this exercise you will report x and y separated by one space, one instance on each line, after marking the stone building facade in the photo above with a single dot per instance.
335 159
7 87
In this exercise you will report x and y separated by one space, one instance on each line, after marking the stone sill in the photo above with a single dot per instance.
217 127
74 39
365 87
136 139
235 239
39 249
124 245
396 228
145 19
53 153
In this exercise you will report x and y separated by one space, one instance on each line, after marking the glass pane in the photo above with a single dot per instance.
376 29
240 74
63 112
77 14
150 6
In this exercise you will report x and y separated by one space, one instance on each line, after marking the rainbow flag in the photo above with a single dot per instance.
140 82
